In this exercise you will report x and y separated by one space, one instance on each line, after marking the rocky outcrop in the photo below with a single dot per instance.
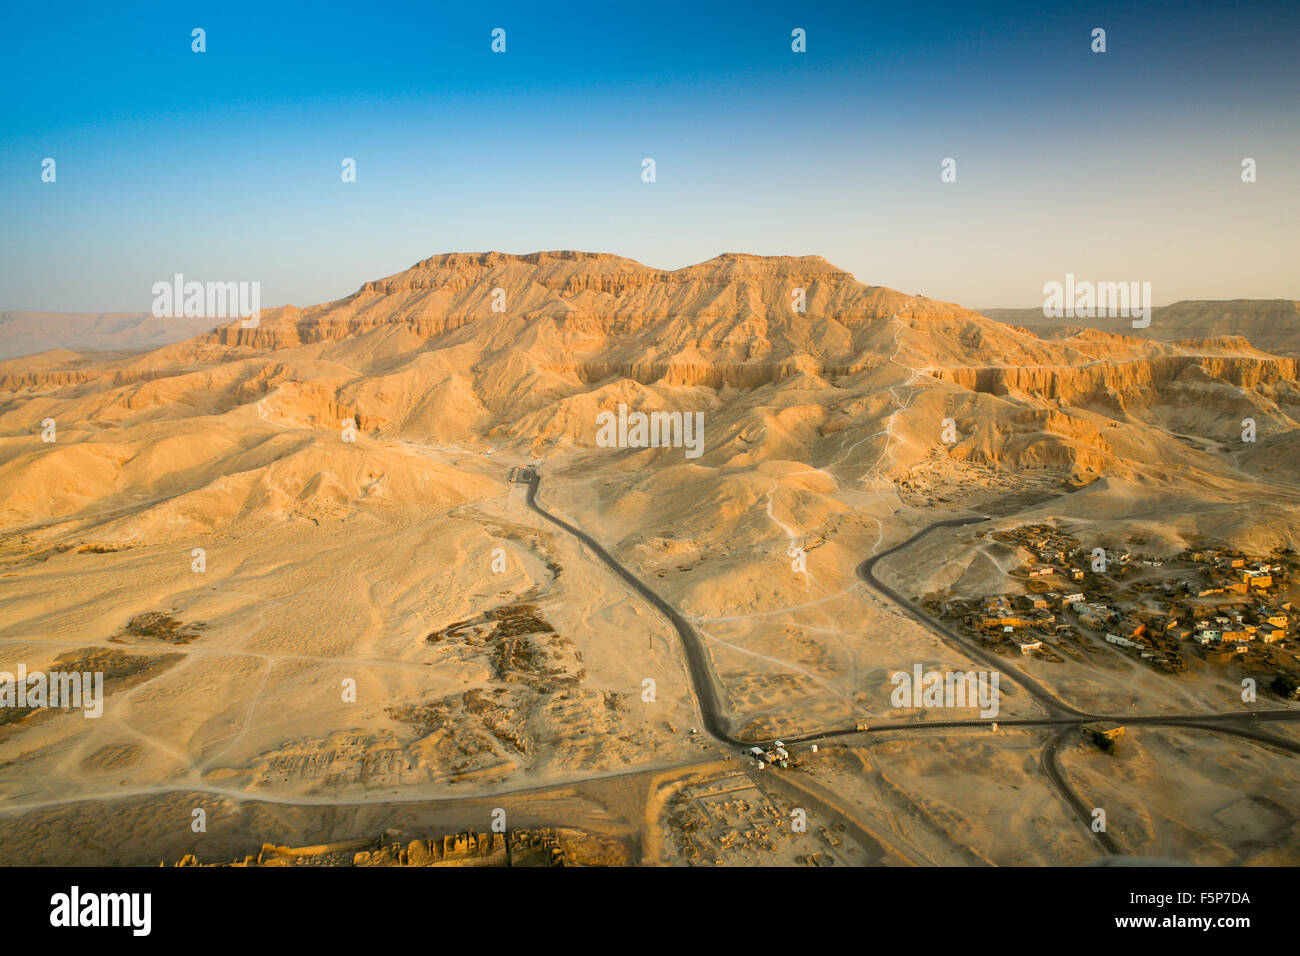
714 375
1076 383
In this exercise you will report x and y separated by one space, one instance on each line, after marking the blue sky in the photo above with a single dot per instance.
225 165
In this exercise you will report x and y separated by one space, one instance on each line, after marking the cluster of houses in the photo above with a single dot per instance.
1217 604
775 754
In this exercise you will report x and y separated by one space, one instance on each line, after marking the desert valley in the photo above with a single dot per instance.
368 567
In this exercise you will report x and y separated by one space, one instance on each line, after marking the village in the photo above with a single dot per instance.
1214 606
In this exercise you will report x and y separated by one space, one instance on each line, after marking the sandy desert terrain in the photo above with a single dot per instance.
328 600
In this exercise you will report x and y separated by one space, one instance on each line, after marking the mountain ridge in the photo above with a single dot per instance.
863 379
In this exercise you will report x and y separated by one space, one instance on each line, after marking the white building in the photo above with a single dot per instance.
1122 641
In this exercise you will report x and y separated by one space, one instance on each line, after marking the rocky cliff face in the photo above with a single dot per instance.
1131 379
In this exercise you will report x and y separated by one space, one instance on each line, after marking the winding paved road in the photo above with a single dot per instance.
1061 716
1061 713
866 571
1052 768
697 658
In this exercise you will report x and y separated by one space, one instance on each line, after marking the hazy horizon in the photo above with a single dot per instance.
979 307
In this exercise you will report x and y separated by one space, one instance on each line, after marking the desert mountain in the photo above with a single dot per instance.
238 523
521 353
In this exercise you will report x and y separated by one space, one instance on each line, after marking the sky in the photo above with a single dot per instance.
225 165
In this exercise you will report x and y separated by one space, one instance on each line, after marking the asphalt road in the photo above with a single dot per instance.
1053 771
697 659
1061 713
866 571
